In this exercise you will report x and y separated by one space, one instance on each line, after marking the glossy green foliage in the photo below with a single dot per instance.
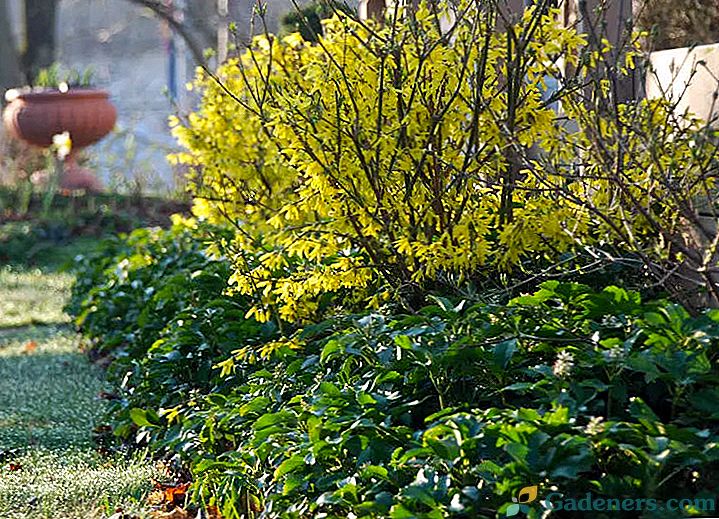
444 413
452 411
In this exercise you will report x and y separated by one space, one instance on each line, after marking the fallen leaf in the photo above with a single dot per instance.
213 512
168 496
12 467
30 346
155 498
176 495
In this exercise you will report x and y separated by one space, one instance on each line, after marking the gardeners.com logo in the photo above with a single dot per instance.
589 502
526 495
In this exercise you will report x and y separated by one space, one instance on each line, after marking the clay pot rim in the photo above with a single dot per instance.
53 94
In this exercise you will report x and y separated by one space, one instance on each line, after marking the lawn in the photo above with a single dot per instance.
50 466
32 296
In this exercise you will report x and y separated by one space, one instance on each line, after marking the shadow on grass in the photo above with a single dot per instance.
47 389
49 405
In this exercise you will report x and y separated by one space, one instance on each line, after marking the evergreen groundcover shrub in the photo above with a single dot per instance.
444 412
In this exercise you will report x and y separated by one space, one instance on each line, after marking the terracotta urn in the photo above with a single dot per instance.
85 113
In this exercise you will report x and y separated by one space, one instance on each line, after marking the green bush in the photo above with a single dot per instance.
446 412
153 303
452 411
307 21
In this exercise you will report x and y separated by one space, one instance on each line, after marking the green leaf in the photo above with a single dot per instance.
366 399
572 466
330 389
644 364
512 509
398 511
330 348
644 414
559 416
706 401
444 303
289 465
388 377
403 342
256 405
270 419
139 417
374 471
655 319
503 352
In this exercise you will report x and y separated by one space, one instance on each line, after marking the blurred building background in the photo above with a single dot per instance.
142 59
144 51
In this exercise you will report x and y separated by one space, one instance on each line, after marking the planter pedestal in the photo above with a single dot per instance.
76 177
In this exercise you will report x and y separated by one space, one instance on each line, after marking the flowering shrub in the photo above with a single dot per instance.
378 154
386 158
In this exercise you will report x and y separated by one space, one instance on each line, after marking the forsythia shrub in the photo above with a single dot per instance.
378 154
392 156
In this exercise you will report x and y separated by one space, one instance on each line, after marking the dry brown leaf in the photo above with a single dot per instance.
156 497
168 496
30 346
176 495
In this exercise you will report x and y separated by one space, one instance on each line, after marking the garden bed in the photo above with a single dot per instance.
40 235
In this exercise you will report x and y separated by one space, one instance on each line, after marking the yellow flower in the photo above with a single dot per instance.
62 144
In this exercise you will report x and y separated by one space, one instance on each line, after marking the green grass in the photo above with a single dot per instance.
73 484
49 406
32 296
49 395
49 244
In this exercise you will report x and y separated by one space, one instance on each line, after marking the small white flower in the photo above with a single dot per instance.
62 144
595 426
11 95
563 365
615 354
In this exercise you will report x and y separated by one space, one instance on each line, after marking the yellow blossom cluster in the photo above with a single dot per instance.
389 154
